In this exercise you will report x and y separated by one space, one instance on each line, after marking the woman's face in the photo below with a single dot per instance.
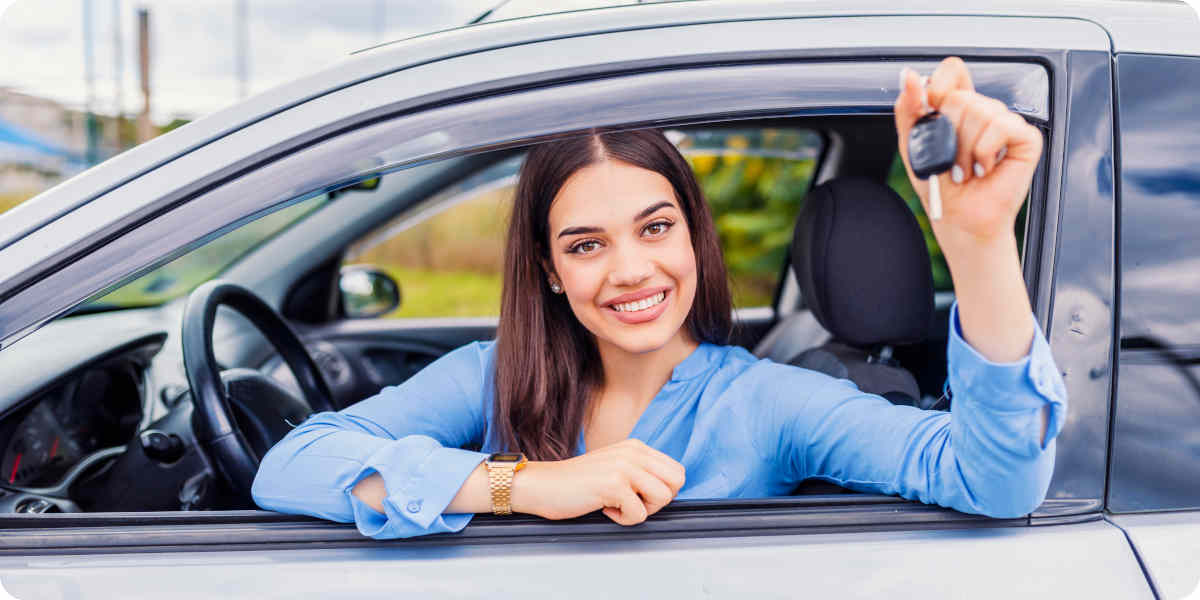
622 251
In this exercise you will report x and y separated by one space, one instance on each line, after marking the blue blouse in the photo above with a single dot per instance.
742 427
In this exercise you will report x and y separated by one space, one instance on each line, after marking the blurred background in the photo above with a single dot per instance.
84 80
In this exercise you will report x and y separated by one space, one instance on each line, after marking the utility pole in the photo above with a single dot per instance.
242 40
118 75
89 80
144 127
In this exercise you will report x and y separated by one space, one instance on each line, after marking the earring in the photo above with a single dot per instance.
555 287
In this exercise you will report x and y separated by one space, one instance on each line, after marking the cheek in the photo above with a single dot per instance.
680 262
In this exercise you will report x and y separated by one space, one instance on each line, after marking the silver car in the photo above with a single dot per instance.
128 423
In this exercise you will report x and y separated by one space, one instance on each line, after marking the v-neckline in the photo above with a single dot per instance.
689 367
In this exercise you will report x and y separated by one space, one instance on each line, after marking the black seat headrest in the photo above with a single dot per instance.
861 261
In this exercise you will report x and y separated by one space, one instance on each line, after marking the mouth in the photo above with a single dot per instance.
647 308
640 305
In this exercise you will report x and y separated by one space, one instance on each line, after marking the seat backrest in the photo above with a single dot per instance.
860 259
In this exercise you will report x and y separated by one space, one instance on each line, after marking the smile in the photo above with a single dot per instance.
640 304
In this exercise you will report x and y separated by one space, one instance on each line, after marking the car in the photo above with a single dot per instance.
168 314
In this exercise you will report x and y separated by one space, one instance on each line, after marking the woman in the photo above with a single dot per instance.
608 376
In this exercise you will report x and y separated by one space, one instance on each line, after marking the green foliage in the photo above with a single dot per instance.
754 201
898 180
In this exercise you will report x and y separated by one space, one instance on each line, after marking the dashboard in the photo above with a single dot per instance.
97 408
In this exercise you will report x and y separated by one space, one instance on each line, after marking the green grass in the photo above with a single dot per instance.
425 293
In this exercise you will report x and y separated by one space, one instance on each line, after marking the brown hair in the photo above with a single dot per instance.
547 363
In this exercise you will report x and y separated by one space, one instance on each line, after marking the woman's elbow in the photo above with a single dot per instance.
1020 492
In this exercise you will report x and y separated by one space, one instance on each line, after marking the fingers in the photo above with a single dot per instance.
951 75
665 468
972 115
627 509
909 107
641 481
653 492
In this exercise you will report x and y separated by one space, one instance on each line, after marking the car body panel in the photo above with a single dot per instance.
984 563
1168 545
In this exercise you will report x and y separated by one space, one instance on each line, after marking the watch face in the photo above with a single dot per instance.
505 458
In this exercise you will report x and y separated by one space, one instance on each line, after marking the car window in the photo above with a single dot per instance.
183 274
1157 417
448 254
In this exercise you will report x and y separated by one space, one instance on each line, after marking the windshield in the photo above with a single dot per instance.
182 275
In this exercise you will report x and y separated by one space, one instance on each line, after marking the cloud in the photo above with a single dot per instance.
194 62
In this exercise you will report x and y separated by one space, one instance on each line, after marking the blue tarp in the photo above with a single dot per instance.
20 145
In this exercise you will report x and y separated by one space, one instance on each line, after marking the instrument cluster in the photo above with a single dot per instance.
98 408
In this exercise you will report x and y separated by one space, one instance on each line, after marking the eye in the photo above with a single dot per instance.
584 247
657 228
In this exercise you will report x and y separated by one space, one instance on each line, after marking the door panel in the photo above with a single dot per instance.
1169 546
1086 560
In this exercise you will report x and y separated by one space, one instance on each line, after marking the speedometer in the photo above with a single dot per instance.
38 454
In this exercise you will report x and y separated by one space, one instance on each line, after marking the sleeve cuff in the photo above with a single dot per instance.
1030 382
418 490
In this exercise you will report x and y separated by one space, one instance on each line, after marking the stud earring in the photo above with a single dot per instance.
555 287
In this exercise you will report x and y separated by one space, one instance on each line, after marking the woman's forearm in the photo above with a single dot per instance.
993 304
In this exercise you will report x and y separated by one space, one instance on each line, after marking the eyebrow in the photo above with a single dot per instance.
642 215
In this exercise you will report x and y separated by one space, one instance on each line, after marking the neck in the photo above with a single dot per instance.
636 377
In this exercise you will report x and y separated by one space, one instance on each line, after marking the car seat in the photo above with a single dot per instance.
860 259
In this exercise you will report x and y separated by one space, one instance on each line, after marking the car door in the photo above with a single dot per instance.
660 76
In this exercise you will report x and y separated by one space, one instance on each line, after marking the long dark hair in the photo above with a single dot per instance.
547 362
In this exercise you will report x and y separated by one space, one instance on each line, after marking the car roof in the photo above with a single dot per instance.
1132 25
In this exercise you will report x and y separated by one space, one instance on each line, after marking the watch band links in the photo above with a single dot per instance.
500 483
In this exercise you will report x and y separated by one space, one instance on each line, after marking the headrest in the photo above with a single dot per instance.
862 265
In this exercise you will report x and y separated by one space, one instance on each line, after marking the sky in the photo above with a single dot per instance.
193 69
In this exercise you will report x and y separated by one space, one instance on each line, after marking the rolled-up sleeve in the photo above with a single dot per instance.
986 456
410 434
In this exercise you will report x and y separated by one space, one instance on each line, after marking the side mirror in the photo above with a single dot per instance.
367 292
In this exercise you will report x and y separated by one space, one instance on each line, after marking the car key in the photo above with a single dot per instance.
932 147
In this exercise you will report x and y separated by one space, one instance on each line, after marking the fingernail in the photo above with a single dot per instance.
956 174
925 107
903 77
978 170
1002 153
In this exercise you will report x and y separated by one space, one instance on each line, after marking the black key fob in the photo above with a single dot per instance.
932 145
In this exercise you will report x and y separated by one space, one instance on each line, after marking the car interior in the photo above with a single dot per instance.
103 414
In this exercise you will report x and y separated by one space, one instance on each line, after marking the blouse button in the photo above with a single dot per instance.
414 506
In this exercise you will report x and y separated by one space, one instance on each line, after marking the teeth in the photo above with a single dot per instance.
642 304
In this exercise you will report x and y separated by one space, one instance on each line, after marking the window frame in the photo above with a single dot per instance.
191 223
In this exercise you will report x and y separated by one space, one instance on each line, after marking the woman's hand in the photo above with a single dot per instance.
983 205
979 211
628 480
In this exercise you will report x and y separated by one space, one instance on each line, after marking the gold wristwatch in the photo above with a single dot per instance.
500 476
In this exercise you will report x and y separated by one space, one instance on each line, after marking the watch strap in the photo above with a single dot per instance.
500 479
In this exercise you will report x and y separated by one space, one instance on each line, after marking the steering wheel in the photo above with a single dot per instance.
239 413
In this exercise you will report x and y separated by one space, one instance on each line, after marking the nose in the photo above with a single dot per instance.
629 267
